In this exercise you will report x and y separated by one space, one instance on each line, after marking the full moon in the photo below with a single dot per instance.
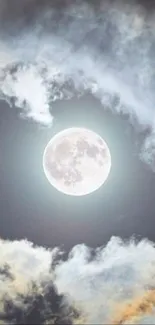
77 161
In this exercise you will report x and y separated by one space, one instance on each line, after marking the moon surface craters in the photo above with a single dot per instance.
77 160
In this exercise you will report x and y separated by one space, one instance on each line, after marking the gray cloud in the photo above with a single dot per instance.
108 50
111 284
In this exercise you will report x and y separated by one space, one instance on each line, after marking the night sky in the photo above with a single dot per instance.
89 44
31 208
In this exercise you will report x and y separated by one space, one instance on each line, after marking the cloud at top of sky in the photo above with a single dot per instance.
49 54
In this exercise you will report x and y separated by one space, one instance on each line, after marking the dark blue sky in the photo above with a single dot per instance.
31 208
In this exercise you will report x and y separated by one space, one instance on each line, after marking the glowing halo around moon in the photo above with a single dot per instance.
77 161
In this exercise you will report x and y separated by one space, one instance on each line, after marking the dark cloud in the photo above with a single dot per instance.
31 298
45 307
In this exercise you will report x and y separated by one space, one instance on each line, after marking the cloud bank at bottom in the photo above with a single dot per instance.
113 284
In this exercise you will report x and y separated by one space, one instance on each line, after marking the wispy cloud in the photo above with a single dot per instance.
108 52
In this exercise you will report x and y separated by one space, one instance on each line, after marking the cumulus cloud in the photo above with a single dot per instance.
112 284
28 294
107 49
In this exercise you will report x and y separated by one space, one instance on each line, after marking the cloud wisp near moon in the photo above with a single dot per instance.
80 48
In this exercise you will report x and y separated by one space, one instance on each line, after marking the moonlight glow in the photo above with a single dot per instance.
76 161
